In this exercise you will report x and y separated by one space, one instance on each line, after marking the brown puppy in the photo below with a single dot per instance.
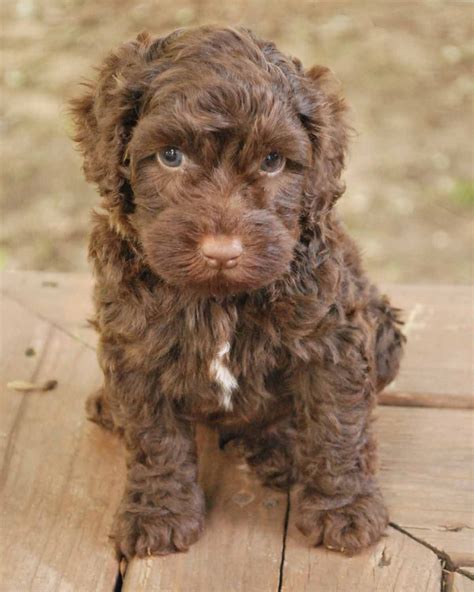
226 289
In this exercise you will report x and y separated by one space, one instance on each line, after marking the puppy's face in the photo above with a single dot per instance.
217 176
214 150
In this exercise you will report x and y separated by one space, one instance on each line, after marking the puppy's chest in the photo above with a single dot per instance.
222 375
218 371
213 360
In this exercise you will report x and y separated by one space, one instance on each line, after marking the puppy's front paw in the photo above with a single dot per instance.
350 528
155 533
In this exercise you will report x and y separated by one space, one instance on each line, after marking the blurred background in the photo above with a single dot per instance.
405 67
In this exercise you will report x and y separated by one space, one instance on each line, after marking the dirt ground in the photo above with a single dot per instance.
406 68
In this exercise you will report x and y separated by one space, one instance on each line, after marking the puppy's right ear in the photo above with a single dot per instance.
105 116
323 113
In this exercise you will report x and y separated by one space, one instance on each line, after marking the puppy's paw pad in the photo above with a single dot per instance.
348 529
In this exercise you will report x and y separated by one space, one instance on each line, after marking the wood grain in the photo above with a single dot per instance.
426 471
459 583
63 299
241 548
20 330
438 368
63 476
396 564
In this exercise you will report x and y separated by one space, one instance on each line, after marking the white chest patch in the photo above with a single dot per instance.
223 376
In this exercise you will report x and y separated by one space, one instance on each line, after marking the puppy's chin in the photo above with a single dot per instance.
171 245
225 283
247 276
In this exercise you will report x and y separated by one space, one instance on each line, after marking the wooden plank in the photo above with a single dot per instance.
64 299
395 564
64 478
438 368
457 582
15 364
242 544
439 400
427 476
427 479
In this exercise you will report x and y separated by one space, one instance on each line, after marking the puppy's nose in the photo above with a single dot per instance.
221 250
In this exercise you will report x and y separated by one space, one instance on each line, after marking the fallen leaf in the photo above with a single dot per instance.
22 385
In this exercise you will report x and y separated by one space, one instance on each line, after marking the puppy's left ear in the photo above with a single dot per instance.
105 117
323 113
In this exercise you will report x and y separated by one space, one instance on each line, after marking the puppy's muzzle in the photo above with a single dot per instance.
221 251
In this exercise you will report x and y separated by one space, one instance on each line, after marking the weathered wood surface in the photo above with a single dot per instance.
395 564
457 582
62 476
63 299
427 476
14 363
438 368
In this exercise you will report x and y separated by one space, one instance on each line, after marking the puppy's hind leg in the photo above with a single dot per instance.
98 410
270 453
389 342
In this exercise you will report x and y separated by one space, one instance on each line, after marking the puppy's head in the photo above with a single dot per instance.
216 152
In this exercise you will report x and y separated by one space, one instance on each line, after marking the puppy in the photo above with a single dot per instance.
227 291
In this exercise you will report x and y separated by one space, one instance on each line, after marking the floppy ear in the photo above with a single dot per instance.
104 118
322 112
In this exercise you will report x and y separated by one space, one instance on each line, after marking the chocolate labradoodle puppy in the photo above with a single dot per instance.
227 291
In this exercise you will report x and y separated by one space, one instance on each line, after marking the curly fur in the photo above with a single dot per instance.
301 336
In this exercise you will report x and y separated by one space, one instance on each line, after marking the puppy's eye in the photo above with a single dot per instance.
272 163
171 157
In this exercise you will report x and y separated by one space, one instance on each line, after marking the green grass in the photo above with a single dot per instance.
3 258
463 193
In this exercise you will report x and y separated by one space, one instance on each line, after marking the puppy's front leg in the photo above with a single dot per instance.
339 502
162 510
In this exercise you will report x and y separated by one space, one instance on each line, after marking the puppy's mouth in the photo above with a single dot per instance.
234 256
